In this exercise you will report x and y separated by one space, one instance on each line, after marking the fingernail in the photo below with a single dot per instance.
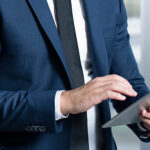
144 111
134 92
123 97
131 92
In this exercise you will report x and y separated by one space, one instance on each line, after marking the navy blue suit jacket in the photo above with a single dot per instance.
33 68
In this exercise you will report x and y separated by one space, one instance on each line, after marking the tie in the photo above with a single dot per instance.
66 29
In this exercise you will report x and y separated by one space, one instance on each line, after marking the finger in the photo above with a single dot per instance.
114 95
113 82
119 78
145 121
112 78
116 83
108 84
145 114
121 89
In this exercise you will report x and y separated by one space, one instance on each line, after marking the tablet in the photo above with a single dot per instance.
131 114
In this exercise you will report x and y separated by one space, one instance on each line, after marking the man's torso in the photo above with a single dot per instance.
33 58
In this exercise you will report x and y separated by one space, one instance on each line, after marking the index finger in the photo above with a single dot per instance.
119 78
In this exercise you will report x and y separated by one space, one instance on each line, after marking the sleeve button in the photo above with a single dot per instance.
42 128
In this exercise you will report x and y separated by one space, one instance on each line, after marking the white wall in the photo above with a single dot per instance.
145 49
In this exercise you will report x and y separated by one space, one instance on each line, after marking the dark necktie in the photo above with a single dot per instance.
66 29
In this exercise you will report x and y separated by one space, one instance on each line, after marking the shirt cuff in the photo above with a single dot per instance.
58 114
143 133
141 128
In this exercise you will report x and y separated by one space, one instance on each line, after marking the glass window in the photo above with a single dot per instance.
134 26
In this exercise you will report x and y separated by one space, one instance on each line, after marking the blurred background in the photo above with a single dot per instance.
139 29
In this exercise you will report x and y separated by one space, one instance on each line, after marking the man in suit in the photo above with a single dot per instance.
60 63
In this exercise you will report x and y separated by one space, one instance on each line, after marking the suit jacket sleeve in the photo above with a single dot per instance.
21 109
123 62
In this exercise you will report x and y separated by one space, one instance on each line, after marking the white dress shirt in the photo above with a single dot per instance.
81 34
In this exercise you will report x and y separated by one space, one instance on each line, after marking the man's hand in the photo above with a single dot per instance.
145 117
94 92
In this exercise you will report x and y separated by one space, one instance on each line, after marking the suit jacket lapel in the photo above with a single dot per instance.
97 45
44 16
96 40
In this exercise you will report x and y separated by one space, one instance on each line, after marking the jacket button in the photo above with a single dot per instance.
42 128
35 128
